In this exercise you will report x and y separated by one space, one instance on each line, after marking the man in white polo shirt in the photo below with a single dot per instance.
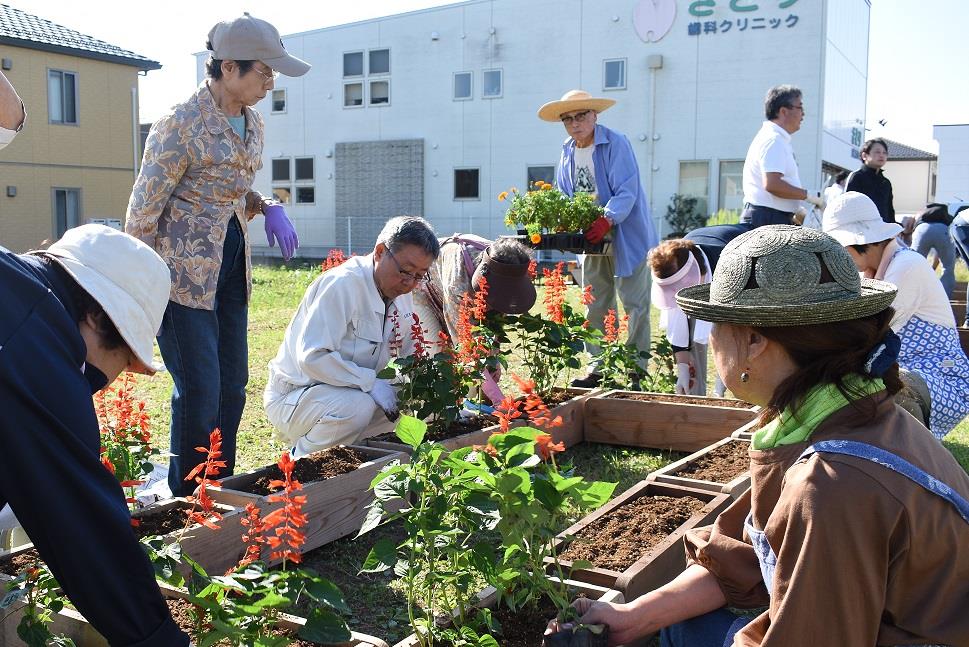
772 186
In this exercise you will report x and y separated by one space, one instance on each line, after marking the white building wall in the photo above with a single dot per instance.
911 185
707 105
953 180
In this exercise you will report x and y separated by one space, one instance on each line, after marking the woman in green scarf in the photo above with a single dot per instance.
856 528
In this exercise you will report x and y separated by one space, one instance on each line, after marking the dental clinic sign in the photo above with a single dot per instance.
745 15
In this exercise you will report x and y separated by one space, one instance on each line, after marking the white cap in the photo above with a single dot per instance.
251 39
124 275
853 219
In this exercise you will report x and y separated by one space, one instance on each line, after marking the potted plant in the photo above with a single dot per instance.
552 220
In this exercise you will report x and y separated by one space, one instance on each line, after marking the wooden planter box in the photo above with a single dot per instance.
664 561
572 431
73 625
477 437
488 598
675 424
215 550
335 507
670 474
747 431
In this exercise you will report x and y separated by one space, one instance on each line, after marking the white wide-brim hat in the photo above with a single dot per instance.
124 275
853 219
573 100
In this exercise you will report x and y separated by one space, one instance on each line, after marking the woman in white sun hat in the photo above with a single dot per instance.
923 317
74 316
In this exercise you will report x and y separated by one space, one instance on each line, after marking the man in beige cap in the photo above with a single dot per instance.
192 203
601 161
73 317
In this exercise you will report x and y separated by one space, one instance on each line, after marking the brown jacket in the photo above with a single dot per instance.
864 555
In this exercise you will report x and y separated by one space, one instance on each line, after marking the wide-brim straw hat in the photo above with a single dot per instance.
571 101
775 276
125 276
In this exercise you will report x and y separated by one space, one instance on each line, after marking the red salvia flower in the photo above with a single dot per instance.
611 332
555 292
534 408
506 412
545 446
532 269
480 310
287 520
203 507
587 297
335 258
253 536
417 336
396 339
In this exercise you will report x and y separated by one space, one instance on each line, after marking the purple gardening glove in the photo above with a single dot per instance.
278 227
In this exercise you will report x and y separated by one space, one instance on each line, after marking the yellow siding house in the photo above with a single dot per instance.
77 156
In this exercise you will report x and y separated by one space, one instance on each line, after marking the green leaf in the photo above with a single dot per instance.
323 590
382 557
324 626
548 494
375 513
594 494
411 430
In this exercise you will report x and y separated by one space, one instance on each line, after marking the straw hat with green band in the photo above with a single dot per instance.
781 275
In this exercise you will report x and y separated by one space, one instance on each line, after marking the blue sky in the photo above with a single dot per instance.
918 49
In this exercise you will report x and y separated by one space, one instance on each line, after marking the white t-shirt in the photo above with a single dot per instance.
585 171
770 152
920 293
833 192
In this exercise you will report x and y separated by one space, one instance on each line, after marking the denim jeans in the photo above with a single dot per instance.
714 629
935 235
758 216
207 354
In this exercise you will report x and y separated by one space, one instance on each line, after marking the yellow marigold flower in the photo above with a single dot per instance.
514 189
502 196
536 238
546 186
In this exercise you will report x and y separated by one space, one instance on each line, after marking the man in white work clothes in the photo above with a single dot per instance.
323 388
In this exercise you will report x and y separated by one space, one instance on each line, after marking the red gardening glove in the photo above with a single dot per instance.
598 230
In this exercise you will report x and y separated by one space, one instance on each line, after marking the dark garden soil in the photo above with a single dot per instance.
722 465
616 540
13 565
163 521
182 614
558 396
315 467
682 399
457 428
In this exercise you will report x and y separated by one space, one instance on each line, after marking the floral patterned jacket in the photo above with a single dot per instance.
195 176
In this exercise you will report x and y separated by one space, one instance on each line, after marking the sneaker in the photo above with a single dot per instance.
590 381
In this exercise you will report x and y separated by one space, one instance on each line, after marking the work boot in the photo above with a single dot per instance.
590 381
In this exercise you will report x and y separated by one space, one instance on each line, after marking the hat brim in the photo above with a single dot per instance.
875 296
553 110
288 65
875 232
123 311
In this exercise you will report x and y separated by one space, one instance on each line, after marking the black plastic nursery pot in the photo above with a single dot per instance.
566 241
578 637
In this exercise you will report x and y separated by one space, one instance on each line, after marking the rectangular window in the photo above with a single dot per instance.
304 168
614 74
353 64
67 210
305 195
540 174
352 95
279 100
61 97
379 92
695 183
282 194
379 61
731 186
463 82
491 80
281 170
466 184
